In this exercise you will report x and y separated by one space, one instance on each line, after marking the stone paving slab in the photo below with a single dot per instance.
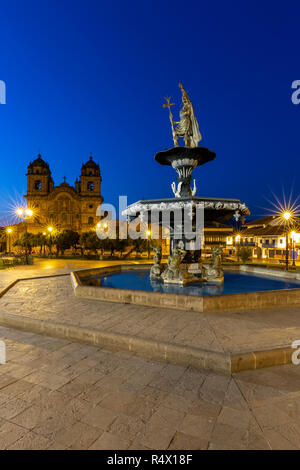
56 394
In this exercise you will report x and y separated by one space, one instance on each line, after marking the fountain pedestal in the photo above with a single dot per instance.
183 263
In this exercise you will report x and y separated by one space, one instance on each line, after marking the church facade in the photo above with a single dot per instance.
63 207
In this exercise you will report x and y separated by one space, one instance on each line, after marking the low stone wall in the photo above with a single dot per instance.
206 304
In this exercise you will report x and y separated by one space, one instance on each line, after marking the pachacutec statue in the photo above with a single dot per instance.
187 127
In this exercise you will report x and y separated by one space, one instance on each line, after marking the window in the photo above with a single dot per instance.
37 185
91 206
91 221
64 217
90 186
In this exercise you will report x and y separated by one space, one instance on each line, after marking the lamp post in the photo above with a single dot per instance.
148 242
293 234
25 214
287 215
9 230
237 242
50 230
44 243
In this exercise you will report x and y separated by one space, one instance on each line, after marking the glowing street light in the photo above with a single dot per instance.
237 240
148 233
25 214
50 230
9 230
287 216
293 235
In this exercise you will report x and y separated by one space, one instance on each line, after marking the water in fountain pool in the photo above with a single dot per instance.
234 282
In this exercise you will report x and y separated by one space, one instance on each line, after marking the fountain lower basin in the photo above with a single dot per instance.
90 284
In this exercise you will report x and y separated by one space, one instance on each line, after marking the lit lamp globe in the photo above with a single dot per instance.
29 212
287 215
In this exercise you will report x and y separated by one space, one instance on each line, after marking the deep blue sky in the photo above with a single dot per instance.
90 76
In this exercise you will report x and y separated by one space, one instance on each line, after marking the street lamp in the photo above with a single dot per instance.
237 242
25 214
9 230
286 215
50 230
44 241
293 234
148 242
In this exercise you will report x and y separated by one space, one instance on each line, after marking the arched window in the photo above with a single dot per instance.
91 221
90 186
37 185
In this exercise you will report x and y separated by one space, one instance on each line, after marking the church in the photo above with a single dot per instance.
63 207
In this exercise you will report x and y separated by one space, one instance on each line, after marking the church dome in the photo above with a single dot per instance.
38 163
90 166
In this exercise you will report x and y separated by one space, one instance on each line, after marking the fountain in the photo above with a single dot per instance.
187 225
186 282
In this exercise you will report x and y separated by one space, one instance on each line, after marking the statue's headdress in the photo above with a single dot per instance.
196 134
184 93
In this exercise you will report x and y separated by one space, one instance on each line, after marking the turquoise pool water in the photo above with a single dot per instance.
234 282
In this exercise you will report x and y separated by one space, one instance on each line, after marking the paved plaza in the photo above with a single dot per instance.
58 394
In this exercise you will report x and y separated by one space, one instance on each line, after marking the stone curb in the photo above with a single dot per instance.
162 351
7 288
261 359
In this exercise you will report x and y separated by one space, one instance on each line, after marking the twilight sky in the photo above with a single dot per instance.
90 76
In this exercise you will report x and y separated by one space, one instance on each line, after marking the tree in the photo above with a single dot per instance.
244 253
26 240
140 245
89 241
39 240
121 245
65 240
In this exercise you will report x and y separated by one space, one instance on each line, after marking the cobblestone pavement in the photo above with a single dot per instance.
53 299
50 267
55 394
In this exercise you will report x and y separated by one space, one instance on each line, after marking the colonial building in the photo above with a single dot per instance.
266 238
63 207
